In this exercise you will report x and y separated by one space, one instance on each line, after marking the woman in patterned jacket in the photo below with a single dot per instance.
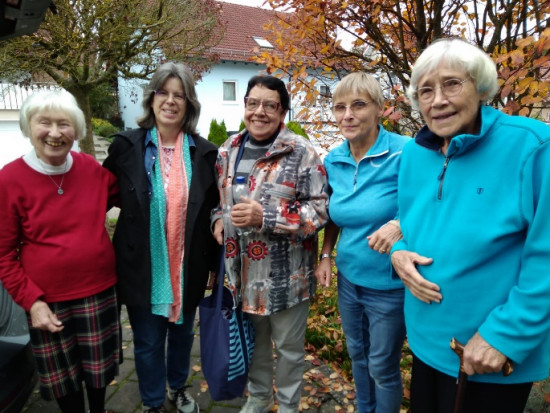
271 267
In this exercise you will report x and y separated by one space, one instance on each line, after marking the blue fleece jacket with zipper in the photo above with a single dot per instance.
482 212
363 197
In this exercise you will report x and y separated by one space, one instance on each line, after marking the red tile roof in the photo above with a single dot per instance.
242 23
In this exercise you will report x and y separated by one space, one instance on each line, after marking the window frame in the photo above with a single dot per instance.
235 85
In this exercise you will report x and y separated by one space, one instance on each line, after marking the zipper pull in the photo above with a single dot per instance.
442 173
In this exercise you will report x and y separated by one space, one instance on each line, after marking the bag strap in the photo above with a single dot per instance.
221 276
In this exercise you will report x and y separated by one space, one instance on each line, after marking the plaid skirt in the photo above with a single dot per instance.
87 349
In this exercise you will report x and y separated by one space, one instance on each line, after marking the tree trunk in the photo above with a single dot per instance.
86 144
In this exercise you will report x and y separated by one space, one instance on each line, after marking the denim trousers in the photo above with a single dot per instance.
286 330
154 365
374 327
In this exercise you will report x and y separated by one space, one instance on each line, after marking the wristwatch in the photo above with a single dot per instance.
322 256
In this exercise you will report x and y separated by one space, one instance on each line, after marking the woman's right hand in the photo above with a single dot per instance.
405 263
42 318
323 273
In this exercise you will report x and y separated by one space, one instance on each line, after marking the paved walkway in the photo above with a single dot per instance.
323 390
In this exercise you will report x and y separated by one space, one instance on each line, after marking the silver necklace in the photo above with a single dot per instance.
59 187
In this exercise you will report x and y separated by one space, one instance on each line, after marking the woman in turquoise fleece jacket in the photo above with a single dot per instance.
362 178
474 199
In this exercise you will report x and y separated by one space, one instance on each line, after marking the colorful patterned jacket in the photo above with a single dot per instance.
271 268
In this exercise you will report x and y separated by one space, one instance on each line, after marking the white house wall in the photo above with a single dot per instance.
130 94
210 94
12 141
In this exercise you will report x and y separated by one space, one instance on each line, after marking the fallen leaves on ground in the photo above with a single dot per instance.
320 386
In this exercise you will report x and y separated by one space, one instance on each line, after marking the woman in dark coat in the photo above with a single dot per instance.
164 247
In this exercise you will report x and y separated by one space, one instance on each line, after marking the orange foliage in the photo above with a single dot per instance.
319 41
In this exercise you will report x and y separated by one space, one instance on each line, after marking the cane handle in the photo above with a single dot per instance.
458 348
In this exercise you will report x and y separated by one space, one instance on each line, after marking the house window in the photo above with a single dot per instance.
324 92
324 97
260 41
229 91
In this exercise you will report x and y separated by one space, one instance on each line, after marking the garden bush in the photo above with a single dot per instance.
103 127
297 129
218 132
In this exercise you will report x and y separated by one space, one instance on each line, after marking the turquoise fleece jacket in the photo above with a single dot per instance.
483 214
363 197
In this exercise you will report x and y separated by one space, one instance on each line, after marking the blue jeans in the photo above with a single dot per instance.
152 366
374 326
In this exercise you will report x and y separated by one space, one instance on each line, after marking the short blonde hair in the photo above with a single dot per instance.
58 100
459 54
360 83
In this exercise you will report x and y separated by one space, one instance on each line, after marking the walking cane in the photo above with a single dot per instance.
462 379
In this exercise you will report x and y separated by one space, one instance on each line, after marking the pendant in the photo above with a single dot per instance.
60 191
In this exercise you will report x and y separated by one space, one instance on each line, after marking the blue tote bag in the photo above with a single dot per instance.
226 340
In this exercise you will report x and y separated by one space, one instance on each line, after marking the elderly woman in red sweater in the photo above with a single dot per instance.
56 259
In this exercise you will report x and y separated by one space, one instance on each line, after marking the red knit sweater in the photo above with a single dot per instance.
64 250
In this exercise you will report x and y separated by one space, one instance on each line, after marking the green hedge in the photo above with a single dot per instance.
218 132
103 127
297 129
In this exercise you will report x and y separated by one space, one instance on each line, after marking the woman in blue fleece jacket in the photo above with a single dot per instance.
474 199
362 178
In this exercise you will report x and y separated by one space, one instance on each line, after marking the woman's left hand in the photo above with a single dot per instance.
383 238
480 357
247 213
323 272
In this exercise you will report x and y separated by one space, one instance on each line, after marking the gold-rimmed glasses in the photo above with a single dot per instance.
356 107
449 88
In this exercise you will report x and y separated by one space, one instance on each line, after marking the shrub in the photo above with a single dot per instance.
324 335
103 127
392 126
324 329
218 132
297 129
224 129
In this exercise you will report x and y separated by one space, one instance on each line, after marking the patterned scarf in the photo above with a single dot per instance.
171 184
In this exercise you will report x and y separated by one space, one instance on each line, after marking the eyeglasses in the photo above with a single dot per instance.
164 94
449 88
270 106
356 107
